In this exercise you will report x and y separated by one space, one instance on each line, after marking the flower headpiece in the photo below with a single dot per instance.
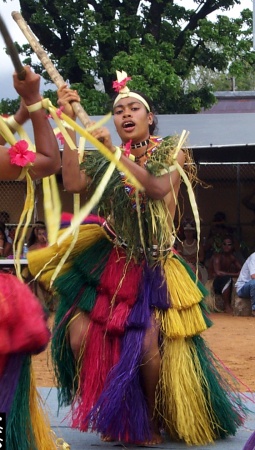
120 86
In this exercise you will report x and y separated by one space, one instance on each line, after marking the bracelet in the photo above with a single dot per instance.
35 107
11 122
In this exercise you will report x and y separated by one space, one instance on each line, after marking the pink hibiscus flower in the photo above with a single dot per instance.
20 155
118 85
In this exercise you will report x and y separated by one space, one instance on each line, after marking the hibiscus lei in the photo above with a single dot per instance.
20 155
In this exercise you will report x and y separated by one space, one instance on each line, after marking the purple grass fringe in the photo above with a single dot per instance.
250 444
155 283
121 411
9 381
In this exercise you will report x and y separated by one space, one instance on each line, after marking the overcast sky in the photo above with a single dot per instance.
6 88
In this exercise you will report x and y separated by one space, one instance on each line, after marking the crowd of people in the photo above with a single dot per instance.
131 309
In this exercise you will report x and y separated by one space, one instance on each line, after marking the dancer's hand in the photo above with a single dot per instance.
65 98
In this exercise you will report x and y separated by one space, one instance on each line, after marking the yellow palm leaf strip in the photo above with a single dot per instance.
78 218
181 395
26 216
104 150
72 244
193 204
160 214
76 209
52 207
6 132
81 148
138 208
191 195
63 130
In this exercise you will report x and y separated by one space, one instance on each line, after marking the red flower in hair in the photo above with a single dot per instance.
118 85
20 155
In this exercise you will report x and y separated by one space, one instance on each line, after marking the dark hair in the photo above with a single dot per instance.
153 128
39 225
189 221
2 229
229 237
219 216
4 217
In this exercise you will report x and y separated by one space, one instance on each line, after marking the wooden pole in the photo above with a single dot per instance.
12 50
46 62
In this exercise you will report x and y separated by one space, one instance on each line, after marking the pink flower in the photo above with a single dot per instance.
118 85
127 148
60 137
20 155
59 111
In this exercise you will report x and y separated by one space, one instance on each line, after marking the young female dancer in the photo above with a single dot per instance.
126 346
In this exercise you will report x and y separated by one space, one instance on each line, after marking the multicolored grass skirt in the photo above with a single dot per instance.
195 401
23 331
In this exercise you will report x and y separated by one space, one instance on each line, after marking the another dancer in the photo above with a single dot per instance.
127 349
23 327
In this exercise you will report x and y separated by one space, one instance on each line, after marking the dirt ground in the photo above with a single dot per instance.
231 338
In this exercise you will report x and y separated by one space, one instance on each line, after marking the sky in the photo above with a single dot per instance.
6 88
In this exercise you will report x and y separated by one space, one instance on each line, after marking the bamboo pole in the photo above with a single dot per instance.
46 62
12 50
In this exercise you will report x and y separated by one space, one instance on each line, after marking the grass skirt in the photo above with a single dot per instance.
23 331
194 400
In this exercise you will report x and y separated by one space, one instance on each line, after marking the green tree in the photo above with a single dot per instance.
157 42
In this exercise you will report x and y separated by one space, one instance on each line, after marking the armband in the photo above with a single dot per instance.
35 107
12 123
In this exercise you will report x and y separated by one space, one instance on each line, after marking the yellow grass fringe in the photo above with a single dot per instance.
187 322
180 396
40 421
42 263
52 207
183 291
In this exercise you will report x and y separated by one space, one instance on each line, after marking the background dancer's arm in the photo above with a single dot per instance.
20 117
47 159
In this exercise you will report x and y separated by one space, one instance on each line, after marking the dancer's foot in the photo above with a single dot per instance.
156 439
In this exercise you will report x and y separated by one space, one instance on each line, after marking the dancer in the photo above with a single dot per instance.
126 347
23 327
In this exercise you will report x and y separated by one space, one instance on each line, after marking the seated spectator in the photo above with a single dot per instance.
5 246
223 267
38 237
218 231
4 220
245 284
189 251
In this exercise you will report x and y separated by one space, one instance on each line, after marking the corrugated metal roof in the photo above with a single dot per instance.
231 134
